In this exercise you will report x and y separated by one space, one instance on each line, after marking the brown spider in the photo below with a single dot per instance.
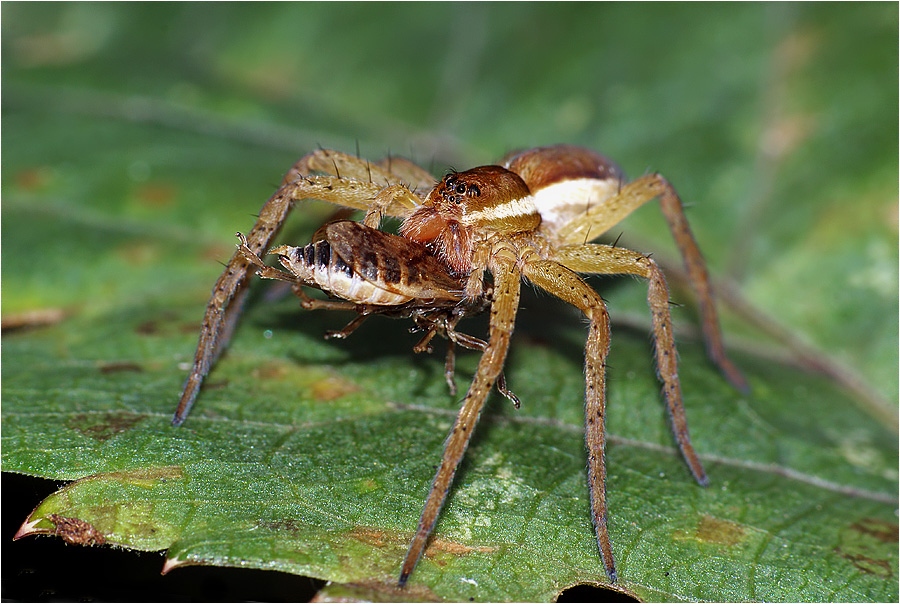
529 217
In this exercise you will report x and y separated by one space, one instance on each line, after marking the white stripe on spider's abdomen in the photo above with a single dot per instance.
562 201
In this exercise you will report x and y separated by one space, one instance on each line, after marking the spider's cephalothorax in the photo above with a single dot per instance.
531 218
465 204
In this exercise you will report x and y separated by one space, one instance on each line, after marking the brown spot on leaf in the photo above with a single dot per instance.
436 546
163 323
35 178
870 566
320 387
887 532
103 426
216 385
282 525
375 536
139 253
870 544
455 548
331 388
118 366
76 531
721 532
271 371
147 328
716 531
145 477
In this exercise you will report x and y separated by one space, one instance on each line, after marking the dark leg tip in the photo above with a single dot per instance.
611 573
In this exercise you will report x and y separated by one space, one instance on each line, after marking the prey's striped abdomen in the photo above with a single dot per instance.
318 265
367 266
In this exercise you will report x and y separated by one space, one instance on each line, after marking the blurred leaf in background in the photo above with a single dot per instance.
137 138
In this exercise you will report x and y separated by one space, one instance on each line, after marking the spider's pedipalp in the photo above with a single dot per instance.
393 200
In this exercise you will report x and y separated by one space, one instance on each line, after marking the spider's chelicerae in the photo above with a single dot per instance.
529 217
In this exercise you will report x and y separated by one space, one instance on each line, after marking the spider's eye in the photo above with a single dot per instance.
461 188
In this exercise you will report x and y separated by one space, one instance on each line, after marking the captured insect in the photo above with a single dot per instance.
465 248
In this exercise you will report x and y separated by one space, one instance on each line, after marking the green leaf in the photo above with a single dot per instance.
136 144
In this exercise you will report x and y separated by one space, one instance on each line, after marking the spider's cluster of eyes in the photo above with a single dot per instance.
451 186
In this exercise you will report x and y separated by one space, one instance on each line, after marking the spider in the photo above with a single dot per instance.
529 217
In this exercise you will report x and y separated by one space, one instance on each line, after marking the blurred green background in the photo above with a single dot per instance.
773 120
138 137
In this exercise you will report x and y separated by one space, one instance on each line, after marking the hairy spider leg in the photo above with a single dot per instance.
507 282
604 215
566 285
394 200
227 297
605 259
344 165
394 197
412 174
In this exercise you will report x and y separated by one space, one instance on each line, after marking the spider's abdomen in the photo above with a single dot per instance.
367 266
565 180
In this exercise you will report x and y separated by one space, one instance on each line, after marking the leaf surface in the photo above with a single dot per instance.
123 183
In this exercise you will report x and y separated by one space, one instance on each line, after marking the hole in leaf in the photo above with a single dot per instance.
592 593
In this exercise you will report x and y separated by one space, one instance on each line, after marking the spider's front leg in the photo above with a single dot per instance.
395 176
229 292
503 313
565 284
605 259
603 216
